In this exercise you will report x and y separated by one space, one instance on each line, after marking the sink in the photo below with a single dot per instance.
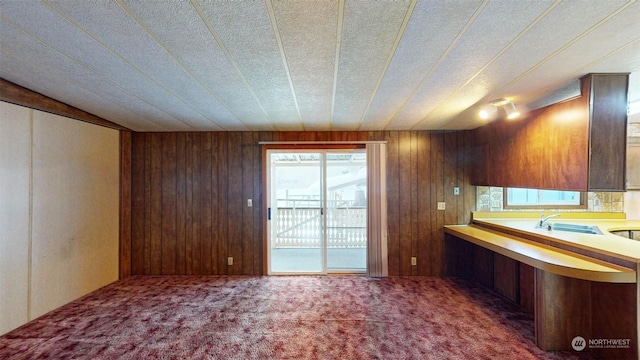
584 229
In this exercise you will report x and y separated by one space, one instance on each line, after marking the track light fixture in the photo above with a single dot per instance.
511 111
489 111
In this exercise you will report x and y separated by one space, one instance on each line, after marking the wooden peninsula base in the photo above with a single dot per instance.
589 308
598 312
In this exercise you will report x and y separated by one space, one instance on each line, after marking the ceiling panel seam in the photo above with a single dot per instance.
155 38
9 53
444 55
70 21
403 26
283 55
585 68
492 60
17 27
226 52
336 61
567 45
603 58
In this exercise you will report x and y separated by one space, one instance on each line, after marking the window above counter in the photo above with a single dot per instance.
522 198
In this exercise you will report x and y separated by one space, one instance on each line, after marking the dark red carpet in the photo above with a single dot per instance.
324 317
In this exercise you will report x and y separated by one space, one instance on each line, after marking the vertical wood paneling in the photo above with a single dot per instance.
125 204
181 204
450 176
223 179
168 200
188 226
468 191
248 145
526 288
393 203
414 198
259 215
436 179
460 178
308 136
214 235
404 183
424 203
483 265
137 203
156 204
189 196
505 276
196 247
148 204
235 202
205 206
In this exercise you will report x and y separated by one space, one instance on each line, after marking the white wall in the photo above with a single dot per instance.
59 208
632 197
15 157
632 204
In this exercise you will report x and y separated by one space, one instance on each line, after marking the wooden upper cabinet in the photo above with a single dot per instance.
608 140
578 144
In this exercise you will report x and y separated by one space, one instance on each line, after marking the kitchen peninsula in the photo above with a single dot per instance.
576 284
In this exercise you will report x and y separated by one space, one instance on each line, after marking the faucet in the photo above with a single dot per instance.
543 223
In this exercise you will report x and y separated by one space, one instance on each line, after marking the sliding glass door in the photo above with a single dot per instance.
317 211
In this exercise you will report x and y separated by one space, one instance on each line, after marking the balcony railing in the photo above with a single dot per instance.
298 227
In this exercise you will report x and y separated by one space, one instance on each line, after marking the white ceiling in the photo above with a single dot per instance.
310 65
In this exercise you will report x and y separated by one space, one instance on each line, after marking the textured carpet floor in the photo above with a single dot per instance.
342 317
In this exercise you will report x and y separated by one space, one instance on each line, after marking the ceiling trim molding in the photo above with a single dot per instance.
18 95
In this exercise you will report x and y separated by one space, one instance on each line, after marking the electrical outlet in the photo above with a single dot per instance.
249 202
442 205
414 261
230 260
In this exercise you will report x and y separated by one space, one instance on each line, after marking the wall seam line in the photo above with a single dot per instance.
30 239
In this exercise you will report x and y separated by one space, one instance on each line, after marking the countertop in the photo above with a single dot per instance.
607 243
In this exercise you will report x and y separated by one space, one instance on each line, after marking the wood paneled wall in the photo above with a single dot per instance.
189 193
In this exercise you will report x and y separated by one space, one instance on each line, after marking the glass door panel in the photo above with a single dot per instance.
346 211
296 236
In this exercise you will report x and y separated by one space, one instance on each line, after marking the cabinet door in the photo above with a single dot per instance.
608 132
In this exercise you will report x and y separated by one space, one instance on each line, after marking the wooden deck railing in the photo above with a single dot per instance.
302 227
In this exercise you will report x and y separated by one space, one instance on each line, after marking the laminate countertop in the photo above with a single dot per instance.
605 243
